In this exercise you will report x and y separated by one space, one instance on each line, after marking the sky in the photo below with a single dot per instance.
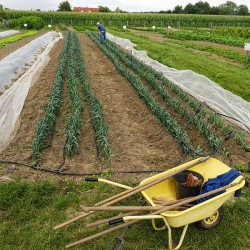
126 5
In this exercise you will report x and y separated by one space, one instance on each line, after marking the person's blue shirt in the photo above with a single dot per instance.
101 27
102 35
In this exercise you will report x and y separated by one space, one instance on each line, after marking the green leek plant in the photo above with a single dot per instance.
46 125
74 122
161 114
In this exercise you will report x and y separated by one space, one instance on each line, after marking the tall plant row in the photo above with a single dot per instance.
162 85
74 121
72 64
46 125
160 113
96 112
135 19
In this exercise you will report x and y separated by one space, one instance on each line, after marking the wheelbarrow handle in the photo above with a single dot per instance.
116 221
132 191
167 208
92 179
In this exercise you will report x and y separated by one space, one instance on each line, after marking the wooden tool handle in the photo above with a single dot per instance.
135 190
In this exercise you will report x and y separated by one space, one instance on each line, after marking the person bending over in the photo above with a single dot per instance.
102 32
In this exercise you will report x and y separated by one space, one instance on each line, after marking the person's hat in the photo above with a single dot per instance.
97 23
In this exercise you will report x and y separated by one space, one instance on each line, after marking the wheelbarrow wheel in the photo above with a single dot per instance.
211 221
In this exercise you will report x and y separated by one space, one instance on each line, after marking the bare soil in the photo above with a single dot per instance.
138 140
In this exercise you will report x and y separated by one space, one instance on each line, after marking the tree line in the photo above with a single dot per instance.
228 8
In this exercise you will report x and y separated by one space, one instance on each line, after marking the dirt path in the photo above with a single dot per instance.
20 149
138 140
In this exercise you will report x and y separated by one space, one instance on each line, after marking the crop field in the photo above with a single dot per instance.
99 109
94 109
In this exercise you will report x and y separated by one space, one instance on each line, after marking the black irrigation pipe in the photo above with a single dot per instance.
234 120
61 171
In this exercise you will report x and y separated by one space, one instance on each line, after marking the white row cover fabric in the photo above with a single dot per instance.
13 99
8 33
15 63
199 86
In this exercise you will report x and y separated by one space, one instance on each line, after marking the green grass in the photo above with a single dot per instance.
30 210
226 53
231 77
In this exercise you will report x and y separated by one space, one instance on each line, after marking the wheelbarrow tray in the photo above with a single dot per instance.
208 169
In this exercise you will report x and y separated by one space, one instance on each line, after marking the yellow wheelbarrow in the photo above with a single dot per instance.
162 187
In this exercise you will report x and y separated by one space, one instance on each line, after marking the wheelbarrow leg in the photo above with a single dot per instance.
152 217
157 228
170 243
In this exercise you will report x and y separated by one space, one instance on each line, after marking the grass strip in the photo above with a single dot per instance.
30 210
231 77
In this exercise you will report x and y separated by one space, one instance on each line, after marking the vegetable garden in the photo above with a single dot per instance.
96 109
73 99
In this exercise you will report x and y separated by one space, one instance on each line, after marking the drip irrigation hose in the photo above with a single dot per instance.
234 120
61 170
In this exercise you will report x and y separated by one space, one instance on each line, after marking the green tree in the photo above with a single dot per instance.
104 9
2 12
118 10
33 22
228 8
242 10
202 7
189 9
165 11
214 11
177 9
64 6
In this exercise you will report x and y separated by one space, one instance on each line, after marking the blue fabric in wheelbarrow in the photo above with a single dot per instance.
220 181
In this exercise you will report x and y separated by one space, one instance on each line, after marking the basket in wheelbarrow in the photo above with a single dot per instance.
164 203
